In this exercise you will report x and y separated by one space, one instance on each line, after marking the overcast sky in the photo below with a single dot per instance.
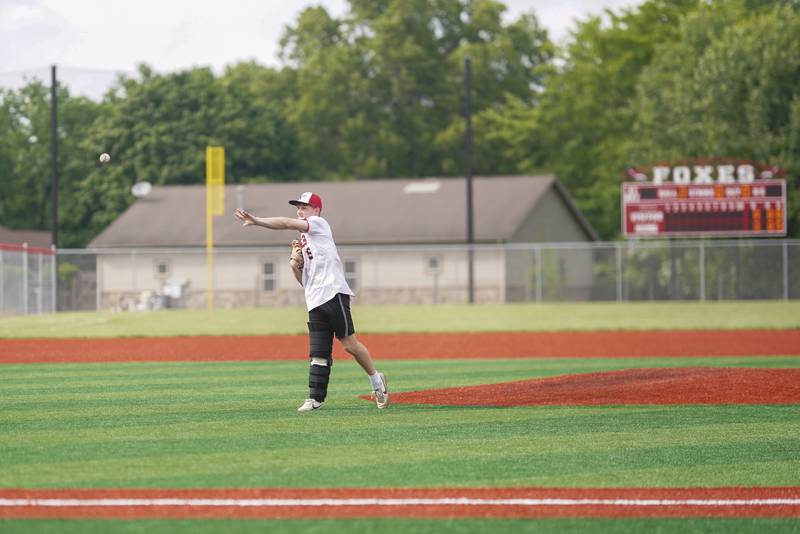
87 37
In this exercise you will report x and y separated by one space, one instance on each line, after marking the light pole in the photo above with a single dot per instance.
468 161
54 155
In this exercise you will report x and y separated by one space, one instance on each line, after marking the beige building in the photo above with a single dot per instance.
401 241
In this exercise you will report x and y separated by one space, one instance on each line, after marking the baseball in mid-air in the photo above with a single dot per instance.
104 158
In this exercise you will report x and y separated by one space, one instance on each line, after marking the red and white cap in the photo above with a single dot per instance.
312 199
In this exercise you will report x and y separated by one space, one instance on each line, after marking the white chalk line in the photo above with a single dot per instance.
459 501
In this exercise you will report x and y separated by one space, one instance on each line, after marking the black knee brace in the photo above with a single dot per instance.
321 359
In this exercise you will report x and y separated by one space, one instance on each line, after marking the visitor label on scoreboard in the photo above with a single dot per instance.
666 209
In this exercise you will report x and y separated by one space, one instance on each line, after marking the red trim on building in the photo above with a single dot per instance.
23 248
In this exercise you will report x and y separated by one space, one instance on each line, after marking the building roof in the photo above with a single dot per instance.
387 211
34 238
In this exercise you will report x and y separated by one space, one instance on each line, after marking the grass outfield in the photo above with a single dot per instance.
234 424
391 319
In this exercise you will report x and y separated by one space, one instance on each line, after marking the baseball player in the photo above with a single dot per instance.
316 266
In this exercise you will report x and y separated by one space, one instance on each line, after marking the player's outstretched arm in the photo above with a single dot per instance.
246 217
273 223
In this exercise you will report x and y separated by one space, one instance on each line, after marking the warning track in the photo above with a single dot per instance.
411 346
282 503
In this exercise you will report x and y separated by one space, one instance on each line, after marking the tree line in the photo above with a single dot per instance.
379 93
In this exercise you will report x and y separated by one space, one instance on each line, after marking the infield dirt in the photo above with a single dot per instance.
411 346
647 386
285 503
684 385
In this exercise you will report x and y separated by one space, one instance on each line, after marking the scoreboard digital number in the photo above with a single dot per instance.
756 208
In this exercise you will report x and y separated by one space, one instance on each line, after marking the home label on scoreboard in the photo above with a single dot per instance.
670 209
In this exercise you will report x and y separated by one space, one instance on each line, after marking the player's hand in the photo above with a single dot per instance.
246 217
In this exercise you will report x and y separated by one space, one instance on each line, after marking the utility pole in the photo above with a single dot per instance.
468 162
54 155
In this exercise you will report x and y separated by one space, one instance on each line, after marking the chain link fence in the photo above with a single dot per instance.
35 280
143 279
27 280
664 270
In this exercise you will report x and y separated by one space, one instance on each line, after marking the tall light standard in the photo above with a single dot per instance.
468 162
54 155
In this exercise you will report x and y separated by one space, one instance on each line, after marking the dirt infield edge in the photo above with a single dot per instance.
284 503
411 346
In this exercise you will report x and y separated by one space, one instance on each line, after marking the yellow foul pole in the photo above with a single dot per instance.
215 205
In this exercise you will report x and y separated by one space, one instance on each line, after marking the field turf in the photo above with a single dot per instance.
234 424
725 315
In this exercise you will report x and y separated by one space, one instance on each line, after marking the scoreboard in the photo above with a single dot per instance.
757 208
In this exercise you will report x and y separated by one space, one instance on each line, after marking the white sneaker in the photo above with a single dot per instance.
382 395
310 405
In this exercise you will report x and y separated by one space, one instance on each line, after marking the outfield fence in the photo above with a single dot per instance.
143 279
27 280
37 280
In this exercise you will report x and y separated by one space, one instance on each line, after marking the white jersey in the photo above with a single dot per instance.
323 274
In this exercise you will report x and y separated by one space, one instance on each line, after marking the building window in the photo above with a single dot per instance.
161 268
268 277
351 273
433 265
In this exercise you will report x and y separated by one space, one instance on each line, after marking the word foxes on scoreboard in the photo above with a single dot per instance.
726 199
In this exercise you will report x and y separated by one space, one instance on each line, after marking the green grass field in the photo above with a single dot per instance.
391 319
234 424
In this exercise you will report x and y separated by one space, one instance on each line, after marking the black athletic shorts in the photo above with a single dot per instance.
336 313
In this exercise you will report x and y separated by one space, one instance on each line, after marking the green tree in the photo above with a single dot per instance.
381 91
156 128
25 187
254 126
25 201
329 109
377 93
735 94
584 124
511 66
505 141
